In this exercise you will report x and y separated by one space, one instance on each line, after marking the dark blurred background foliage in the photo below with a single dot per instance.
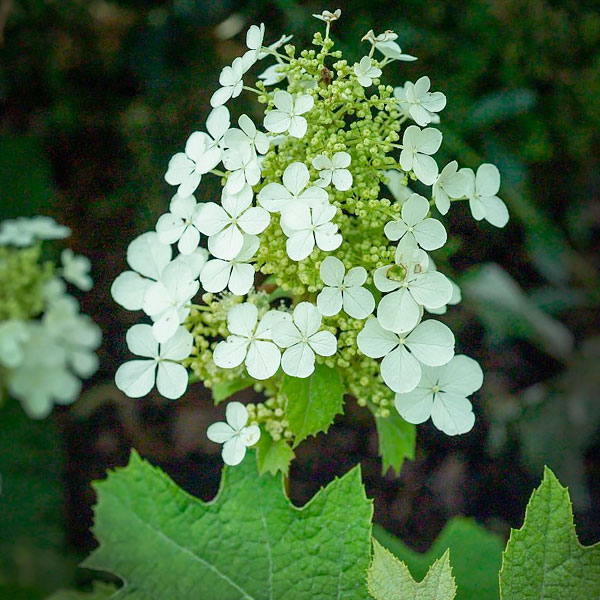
96 96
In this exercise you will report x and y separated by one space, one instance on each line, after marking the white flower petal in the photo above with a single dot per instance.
307 318
129 289
461 376
400 370
274 197
242 279
358 302
295 177
487 180
231 352
300 244
135 378
415 407
432 343
431 290
286 334
227 243
452 414
298 360
375 341
324 343
234 451
425 168
263 359
332 271
179 346
171 380
277 121
236 414
297 127
430 234
495 210
189 240
329 301
255 220
398 311
242 318
414 210
215 275
355 276
220 432
141 342
148 256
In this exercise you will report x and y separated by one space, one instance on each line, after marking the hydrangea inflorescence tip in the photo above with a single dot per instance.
304 260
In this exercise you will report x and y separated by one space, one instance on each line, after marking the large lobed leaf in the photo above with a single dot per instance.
249 543
544 559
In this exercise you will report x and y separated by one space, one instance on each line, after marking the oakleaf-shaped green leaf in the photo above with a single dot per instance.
313 402
249 543
397 440
222 391
389 579
101 591
544 559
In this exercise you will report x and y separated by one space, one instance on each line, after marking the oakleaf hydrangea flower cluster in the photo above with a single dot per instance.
316 252
46 345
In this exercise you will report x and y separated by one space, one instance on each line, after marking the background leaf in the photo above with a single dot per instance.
389 579
250 542
476 557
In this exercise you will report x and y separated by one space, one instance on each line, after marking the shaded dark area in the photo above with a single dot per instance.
96 96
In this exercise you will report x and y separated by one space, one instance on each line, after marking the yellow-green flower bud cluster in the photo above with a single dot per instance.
270 415
23 278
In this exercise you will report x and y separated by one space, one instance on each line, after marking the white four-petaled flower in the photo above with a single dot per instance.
231 80
286 116
236 274
366 71
415 287
225 224
277 198
251 341
419 102
302 339
234 434
417 147
244 166
482 191
137 377
344 290
254 41
247 134
307 226
431 343
451 183
167 300
442 395
427 232
180 224
333 170
186 168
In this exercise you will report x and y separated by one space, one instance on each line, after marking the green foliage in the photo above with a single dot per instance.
250 542
273 456
544 559
397 440
33 561
476 557
313 402
100 591
223 390
389 579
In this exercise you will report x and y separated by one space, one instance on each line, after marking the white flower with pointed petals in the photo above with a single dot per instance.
302 339
217 125
186 168
276 197
235 274
442 395
366 71
286 116
167 300
244 167
226 224
247 134
328 16
451 183
415 287
147 256
76 269
333 170
390 49
251 341
418 146
231 81
427 232
235 435
273 74
307 226
482 191
421 103
137 377
180 224
344 290
431 343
